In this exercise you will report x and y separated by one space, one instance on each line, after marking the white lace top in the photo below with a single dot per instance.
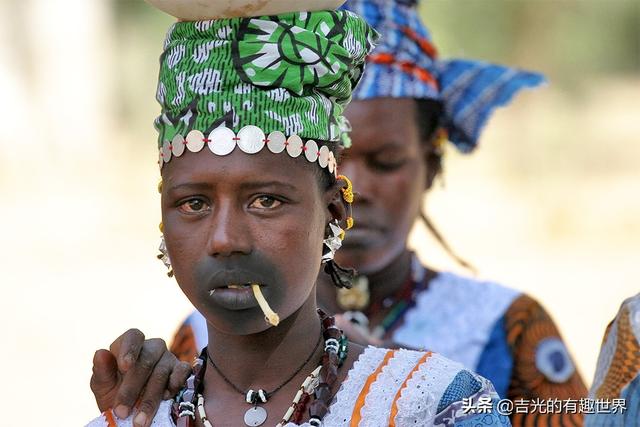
399 388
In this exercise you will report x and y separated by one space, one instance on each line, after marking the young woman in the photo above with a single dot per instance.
252 207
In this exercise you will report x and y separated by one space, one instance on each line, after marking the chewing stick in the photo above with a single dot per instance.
270 316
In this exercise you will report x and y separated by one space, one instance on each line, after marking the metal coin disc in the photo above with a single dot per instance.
255 416
222 141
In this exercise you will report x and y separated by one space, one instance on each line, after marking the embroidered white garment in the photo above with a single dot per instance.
411 387
454 317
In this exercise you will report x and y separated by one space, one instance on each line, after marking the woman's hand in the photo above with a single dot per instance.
136 370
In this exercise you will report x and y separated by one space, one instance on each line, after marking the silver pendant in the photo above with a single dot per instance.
255 416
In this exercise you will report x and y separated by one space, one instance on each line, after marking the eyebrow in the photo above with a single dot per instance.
258 184
200 186
191 186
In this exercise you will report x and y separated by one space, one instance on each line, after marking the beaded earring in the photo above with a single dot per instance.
348 196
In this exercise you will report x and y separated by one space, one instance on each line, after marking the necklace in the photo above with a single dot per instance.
257 415
307 388
396 305
315 392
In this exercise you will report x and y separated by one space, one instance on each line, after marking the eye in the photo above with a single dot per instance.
387 165
193 206
265 202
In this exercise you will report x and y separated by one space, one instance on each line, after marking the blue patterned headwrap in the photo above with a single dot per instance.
405 65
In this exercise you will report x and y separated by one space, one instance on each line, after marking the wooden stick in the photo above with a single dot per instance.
270 316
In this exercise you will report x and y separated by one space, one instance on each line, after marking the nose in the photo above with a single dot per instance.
363 181
228 234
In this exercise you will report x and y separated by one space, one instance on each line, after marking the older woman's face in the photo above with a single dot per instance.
241 219
386 164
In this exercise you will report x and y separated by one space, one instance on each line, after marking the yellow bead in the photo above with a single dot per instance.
160 186
161 227
350 223
347 193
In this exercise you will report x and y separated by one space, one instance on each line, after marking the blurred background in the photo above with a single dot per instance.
549 204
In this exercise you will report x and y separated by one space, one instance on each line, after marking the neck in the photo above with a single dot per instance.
264 360
382 284
390 279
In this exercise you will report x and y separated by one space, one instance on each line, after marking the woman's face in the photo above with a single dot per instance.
387 166
241 219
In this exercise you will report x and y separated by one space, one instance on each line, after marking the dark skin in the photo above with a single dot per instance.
245 215
388 166
237 219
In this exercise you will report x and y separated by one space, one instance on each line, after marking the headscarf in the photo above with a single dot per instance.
270 81
406 65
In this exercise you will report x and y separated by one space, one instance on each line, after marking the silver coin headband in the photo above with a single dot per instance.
250 139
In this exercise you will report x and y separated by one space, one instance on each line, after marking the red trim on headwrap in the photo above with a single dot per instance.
406 66
426 46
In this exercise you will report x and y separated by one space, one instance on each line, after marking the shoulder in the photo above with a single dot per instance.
456 315
543 366
461 285
445 393
162 418
411 387
454 292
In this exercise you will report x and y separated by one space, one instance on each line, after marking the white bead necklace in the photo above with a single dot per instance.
308 386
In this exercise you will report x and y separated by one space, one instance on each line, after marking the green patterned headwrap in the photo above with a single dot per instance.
291 74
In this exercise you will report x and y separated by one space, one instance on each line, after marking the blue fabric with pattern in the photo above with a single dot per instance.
629 418
496 360
469 91
481 420
463 385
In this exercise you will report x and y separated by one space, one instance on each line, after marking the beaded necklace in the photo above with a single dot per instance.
314 393
257 415
397 305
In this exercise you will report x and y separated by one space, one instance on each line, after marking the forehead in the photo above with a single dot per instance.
237 168
382 121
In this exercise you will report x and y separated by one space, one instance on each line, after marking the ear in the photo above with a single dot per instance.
432 160
337 208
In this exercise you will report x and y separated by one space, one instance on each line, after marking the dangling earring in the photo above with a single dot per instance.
341 277
333 242
164 255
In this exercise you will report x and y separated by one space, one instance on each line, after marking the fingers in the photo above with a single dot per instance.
104 380
135 379
154 390
127 348
178 378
